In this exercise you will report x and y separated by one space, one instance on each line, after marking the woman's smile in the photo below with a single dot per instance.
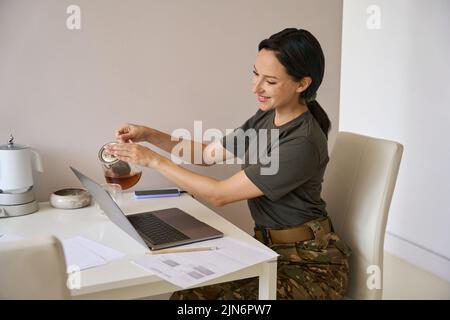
263 99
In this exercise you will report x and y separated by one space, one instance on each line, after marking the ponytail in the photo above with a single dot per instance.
320 115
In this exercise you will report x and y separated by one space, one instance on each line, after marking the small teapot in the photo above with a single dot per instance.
117 171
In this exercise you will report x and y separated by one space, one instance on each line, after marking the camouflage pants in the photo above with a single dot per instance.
314 269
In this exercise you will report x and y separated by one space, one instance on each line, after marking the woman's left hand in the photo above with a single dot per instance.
134 153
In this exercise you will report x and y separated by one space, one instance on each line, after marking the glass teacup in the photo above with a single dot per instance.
115 190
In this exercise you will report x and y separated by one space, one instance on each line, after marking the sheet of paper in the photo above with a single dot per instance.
84 253
8 237
80 257
99 249
191 268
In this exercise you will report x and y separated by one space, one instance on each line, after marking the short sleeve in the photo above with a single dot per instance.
233 141
297 163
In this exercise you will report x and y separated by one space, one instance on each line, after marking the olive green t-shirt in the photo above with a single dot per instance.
292 194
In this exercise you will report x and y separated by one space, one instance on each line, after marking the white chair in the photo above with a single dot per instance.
33 269
358 187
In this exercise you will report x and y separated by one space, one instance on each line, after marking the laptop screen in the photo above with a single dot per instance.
108 205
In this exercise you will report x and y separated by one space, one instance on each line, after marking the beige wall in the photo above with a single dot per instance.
160 63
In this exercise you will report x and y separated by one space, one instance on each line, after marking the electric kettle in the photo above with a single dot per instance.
16 179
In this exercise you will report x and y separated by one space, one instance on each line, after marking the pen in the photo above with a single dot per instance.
182 250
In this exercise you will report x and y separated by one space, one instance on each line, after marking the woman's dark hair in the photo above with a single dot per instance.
302 56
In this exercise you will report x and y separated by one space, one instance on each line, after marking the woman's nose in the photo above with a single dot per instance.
257 87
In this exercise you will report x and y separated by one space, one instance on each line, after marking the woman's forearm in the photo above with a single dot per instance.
187 147
217 192
160 139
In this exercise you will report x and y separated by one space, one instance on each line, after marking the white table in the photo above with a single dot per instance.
121 279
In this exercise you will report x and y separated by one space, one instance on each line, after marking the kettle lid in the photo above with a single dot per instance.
11 145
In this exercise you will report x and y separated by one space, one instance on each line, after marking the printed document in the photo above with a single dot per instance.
186 269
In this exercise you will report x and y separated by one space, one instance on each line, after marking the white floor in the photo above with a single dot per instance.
405 281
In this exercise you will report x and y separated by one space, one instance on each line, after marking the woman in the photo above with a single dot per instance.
288 210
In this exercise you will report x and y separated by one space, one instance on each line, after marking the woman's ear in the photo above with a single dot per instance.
303 84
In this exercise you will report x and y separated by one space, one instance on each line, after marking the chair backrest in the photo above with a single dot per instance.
358 187
33 269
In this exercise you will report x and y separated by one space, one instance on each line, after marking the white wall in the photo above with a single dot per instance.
396 85
163 63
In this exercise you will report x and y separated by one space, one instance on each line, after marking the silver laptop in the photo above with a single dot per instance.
156 229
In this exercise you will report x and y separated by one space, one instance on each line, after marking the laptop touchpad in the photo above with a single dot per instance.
185 223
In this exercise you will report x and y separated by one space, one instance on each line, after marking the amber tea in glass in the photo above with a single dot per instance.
126 181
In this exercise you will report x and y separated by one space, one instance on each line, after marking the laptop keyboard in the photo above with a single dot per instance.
156 230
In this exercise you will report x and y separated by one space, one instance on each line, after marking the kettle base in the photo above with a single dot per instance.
18 210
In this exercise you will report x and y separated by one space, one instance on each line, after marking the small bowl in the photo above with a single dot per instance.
70 198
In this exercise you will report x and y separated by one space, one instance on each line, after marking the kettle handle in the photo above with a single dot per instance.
36 160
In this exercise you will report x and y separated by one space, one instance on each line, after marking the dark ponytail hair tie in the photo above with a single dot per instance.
311 98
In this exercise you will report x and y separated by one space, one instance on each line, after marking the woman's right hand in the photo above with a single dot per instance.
132 132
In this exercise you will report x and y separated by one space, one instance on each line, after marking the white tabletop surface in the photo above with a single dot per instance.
92 224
